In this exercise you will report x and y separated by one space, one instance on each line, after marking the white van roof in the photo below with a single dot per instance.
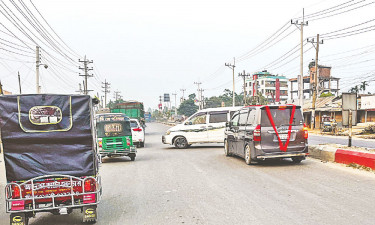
221 109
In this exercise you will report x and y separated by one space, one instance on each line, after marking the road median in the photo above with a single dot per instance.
343 154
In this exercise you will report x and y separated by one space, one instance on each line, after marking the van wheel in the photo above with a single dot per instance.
181 143
226 148
142 144
248 159
297 159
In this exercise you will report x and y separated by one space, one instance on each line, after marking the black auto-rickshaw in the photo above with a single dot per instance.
50 156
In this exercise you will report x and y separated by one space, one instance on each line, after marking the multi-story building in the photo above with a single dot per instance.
326 83
273 87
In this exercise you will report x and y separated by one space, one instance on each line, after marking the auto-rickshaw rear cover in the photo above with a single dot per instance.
47 134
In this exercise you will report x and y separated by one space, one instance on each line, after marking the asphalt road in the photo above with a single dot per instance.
319 139
201 186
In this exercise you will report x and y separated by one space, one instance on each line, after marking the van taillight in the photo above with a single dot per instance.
257 133
90 185
16 192
305 131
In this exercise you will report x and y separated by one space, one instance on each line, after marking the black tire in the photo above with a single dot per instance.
132 157
297 159
181 143
226 148
141 144
248 159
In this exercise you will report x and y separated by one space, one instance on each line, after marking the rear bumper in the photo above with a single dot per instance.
132 150
286 155
279 154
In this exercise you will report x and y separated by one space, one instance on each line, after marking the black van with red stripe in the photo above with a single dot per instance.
270 131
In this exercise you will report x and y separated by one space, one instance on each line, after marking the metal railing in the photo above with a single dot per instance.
34 197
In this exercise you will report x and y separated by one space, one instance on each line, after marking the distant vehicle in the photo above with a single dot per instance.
147 116
132 109
138 133
264 132
115 135
205 126
52 163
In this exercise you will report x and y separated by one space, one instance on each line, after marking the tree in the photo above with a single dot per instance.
188 106
213 102
262 100
354 89
363 86
326 95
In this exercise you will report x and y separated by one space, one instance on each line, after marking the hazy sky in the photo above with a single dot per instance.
146 48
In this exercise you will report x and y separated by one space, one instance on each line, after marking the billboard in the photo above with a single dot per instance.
368 102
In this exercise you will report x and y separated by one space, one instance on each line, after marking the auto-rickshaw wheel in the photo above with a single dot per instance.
132 157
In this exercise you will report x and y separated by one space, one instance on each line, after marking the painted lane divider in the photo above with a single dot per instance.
360 158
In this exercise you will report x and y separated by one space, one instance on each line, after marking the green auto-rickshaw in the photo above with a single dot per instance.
114 135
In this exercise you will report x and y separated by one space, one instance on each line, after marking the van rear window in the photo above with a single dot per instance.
281 117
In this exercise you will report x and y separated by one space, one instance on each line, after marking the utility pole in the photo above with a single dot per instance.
79 88
37 69
86 74
38 64
300 26
19 82
117 95
201 102
106 91
232 66
199 99
244 75
316 78
175 103
183 94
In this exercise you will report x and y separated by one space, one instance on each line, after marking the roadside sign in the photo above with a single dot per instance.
166 98
349 102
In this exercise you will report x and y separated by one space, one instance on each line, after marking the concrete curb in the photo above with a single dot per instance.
339 155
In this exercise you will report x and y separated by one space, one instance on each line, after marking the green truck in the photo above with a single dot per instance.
132 109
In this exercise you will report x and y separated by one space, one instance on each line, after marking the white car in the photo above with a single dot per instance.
138 133
205 126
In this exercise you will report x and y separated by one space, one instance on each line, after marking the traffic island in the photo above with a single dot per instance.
351 156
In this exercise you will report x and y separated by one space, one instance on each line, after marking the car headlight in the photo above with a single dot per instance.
168 132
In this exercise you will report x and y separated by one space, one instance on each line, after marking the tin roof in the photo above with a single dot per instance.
331 103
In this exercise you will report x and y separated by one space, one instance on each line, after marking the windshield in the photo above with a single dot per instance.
113 129
281 117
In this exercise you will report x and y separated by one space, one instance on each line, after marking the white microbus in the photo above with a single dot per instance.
205 126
